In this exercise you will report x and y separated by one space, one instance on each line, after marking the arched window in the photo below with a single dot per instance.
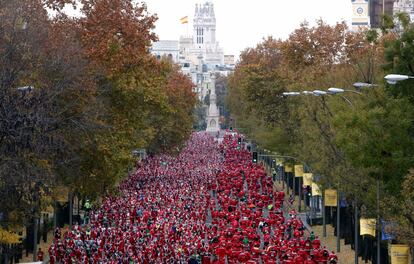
213 123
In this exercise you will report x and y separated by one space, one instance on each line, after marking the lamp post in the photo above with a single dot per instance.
394 78
291 93
361 85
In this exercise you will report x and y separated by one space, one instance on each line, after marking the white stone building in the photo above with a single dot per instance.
199 55
204 36
229 60
404 6
167 48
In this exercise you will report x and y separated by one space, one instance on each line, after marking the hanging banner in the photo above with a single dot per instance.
331 197
48 210
279 162
60 193
343 203
400 254
288 168
298 170
368 226
307 179
387 230
316 191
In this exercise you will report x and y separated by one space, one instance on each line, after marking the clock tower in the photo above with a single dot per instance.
360 14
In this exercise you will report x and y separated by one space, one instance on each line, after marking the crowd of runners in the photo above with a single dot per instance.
209 204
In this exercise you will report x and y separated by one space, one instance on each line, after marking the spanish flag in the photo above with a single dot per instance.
184 20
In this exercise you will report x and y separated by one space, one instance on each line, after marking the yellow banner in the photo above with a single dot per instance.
8 237
316 191
48 210
307 179
298 170
288 168
279 162
400 254
60 193
368 226
331 197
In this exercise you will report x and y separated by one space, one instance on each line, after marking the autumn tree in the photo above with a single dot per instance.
41 81
349 140
78 95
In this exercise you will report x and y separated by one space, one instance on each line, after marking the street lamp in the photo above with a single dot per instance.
25 88
360 85
394 78
340 90
307 93
291 93
319 93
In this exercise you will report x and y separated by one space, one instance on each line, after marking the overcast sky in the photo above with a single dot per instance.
243 23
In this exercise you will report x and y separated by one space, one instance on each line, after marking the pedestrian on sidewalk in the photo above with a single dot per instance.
40 254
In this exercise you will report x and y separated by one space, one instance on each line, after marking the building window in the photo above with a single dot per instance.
200 31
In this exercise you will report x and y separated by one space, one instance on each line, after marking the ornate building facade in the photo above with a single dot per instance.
404 6
200 57
204 36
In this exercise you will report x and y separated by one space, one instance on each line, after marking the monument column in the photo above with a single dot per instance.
213 112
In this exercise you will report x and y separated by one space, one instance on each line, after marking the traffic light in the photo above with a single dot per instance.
254 160
239 141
